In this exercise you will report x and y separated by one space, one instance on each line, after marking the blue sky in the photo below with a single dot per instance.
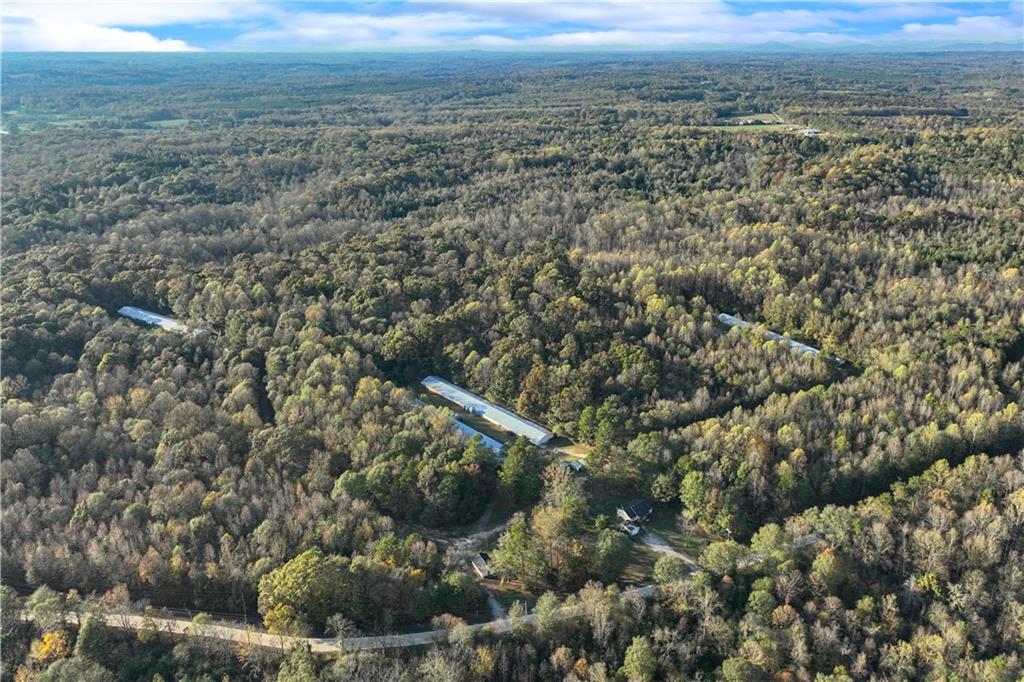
153 25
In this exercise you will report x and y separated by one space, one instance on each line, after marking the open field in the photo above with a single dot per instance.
641 565
753 128
170 123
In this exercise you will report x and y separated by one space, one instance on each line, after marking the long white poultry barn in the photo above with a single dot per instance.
155 319
470 432
733 321
495 414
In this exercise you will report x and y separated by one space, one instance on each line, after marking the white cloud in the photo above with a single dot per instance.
676 39
46 35
77 26
137 13
503 25
964 29
356 31
696 14
243 24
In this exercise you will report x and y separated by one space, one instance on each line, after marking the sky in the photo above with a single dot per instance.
241 25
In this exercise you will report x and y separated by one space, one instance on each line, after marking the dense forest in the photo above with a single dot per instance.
558 235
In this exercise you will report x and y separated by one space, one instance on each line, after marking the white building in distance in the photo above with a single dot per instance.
732 321
155 319
495 414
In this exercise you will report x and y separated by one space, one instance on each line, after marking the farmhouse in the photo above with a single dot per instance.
155 319
636 511
499 416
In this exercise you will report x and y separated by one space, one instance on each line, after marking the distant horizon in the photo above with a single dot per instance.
759 50
75 26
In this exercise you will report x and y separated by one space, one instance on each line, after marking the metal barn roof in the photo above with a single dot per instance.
470 432
482 407
732 321
154 319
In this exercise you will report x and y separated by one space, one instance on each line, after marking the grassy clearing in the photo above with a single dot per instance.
664 523
509 593
573 450
640 566
753 128
69 122
764 117
43 122
170 123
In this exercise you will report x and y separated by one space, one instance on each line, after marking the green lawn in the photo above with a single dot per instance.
766 117
686 541
571 450
169 123
641 565
754 128
509 593
42 122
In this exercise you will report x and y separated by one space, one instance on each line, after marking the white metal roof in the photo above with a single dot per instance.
470 432
482 407
152 318
732 321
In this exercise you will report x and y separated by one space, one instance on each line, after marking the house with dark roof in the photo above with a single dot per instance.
636 511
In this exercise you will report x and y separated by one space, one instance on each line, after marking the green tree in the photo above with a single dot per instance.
669 568
588 423
740 670
46 607
93 640
611 554
76 670
298 666
640 664
520 477
723 556
311 586
516 555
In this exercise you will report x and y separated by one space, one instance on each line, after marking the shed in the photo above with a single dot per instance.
482 566
732 321
575 466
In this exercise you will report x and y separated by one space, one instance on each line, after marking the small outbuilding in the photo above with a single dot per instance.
574 466
482 566
157 320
